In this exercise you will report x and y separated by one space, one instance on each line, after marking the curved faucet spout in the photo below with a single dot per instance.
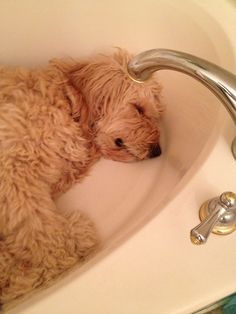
221 82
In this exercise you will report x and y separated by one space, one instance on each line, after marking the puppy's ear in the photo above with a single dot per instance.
85 78
78 74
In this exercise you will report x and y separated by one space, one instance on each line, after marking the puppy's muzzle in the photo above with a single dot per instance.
155 151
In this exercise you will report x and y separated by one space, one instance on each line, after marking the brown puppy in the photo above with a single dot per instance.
54 124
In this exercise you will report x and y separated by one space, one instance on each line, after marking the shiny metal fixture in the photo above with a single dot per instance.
221 82
218 215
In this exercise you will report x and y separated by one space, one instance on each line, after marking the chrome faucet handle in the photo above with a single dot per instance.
218 215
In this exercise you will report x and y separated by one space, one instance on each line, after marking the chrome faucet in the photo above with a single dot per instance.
217 215
221 82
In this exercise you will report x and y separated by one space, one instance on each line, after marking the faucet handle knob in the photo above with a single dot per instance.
217 215
229 200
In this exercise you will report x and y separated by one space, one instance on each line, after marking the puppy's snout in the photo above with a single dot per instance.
155 151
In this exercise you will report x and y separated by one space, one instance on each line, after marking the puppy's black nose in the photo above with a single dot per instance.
155 151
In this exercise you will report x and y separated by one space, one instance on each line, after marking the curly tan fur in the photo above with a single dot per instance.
55 123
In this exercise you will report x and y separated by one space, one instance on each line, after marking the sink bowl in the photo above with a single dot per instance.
123 199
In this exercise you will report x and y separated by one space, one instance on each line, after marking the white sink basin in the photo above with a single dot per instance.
131 203
121 197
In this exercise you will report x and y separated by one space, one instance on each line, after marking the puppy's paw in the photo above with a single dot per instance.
82 234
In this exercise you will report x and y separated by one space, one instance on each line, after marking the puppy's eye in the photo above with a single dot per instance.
119 142
139 109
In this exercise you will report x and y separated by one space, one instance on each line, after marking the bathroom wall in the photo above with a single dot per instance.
34 31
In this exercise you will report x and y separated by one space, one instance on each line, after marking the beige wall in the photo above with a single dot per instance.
33 31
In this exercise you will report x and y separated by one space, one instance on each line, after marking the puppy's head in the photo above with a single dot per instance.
125 114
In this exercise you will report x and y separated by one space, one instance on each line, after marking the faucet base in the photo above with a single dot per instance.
222 227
